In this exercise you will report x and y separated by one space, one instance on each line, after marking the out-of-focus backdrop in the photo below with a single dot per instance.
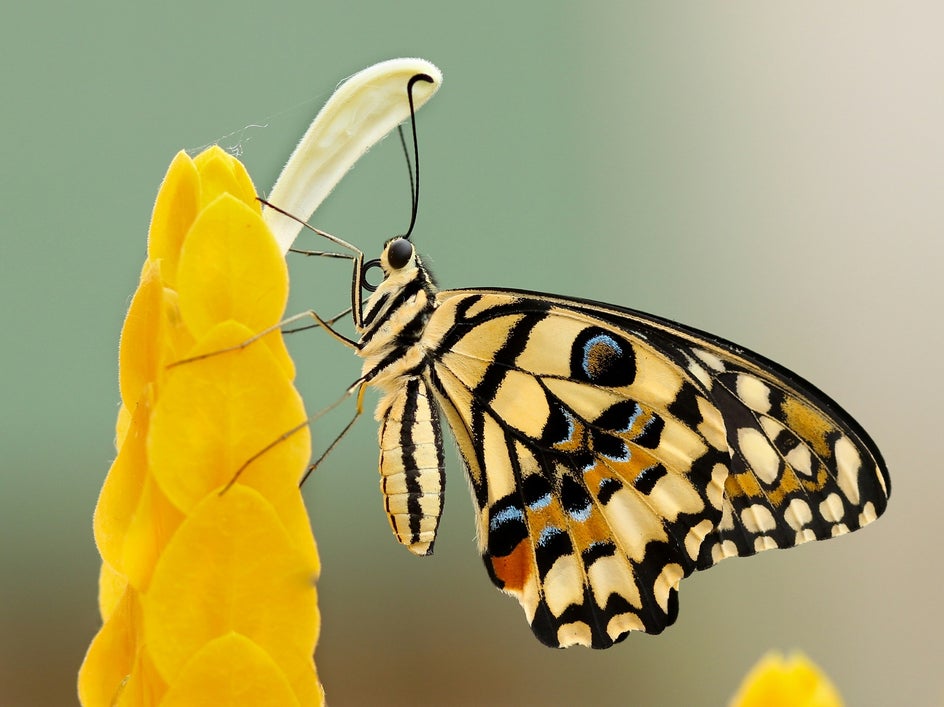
771 172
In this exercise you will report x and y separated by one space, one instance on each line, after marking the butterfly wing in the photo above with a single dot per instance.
612 453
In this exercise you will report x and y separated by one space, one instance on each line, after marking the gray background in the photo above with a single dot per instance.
769 172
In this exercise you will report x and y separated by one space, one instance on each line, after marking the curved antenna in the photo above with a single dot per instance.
415 167
409 171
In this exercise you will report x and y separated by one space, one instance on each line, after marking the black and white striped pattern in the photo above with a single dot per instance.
412 468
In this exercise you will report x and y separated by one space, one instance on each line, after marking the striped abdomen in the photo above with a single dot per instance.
412 473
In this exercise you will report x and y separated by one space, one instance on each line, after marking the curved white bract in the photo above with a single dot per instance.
359 114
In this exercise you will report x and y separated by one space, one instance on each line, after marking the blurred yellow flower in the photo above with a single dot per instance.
792 681
206 597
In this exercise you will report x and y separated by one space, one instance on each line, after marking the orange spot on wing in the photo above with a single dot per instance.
809 425
743 484
514 569
594 529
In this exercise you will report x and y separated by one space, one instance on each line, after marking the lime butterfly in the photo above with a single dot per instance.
611 453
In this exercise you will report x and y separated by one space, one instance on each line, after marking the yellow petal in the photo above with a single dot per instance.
176 339
111 655
111 587
792 682
122 489
225 413
230 268
174 212
139 348
122 424
144 686
291 509
153 523
231 567
221 173
231 670
301 674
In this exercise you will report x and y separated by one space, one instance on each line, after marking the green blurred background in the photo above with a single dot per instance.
772 172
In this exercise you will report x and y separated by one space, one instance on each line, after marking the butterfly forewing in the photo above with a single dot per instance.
800 468
610 453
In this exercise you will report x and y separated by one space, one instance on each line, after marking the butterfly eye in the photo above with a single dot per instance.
399 252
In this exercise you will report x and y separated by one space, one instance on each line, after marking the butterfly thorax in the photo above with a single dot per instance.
394 319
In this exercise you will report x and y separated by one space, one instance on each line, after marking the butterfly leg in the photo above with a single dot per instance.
310 314
343 313
359 387
350 343
281 438
321 254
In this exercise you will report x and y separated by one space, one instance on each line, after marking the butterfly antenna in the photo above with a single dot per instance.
414 167
409 166
323 234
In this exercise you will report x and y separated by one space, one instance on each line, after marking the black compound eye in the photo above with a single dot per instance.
399 253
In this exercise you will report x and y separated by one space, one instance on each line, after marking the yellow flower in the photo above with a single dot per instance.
207 586
207 596
794 681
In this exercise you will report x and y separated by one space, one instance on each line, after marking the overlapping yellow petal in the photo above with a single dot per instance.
208 583
207 589
231 670
176 207
191 455
154 522
221 174
111 588
139 353
230 269
111 655
122 489
793 681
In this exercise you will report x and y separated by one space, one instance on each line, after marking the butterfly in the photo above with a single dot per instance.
610 453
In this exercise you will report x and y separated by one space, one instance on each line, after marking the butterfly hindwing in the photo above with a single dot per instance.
612 453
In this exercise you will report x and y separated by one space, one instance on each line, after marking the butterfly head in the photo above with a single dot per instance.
399 264
405 292
398 254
